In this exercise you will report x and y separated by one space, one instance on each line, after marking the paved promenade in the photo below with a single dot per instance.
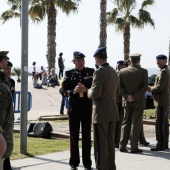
46 102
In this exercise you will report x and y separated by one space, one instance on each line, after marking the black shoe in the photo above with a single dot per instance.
90 168
62 113
145 143
116 145
157 149
137 151
123 150
73 168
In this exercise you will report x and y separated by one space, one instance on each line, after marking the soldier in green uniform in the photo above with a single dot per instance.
133 85
2 144
161 94
6 110
105 113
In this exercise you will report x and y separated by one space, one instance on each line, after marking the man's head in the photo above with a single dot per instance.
100 55
3 59
161 60
61 54
78 60
8 68
135 58
121 64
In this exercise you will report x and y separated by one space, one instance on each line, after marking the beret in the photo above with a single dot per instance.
161 56
3 54
135 55
100 50
9 64
120 62
78 55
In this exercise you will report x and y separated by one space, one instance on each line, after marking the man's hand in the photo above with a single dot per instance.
130 98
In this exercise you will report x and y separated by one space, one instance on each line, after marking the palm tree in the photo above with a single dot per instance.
17 72
103 23
122 16
13 12
39 9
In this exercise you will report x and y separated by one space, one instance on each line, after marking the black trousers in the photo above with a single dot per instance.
75 120
60 75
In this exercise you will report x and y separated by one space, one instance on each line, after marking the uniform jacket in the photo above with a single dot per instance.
6 117
103 94
161 88
77 104
134 81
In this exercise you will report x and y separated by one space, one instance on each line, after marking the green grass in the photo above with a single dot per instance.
39 146
149 113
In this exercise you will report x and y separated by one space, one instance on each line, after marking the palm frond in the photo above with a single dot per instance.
111 16
147 3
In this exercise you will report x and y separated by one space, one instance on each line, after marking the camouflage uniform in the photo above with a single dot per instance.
6 117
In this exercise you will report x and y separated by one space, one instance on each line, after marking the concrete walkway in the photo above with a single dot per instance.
46 102
124 161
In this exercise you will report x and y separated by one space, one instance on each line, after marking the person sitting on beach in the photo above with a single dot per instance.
44 78
52 79
35 82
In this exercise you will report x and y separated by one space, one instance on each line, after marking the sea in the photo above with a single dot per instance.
151 71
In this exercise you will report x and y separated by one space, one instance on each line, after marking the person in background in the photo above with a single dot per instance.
161 95
105 113
44 78
60 65
35 82
53 79
11 84
120 65
75 85
10 80
133 85
42 72
34 69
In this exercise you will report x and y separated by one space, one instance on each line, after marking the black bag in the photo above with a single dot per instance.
40 129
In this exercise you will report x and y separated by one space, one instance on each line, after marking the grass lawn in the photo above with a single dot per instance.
149 113
39 146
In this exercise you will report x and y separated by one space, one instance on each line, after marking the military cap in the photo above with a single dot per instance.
100 50
120 62
135 55
78 55
3 54
161 56
9 64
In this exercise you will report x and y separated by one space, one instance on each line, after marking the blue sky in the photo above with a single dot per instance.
80 31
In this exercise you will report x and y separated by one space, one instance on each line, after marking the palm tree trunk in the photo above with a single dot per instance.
126 38
103 23
51 36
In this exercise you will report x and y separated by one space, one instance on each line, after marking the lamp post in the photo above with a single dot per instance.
24 76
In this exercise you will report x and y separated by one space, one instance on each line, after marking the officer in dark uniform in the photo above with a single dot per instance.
75 85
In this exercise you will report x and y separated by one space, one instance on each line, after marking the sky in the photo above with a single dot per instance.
80 32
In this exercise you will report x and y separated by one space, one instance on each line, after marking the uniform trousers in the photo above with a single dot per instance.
104 149
119 124
162 127
1 163
131 127
74 124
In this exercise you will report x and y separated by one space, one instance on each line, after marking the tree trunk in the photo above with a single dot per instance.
103 23
126 38
51 36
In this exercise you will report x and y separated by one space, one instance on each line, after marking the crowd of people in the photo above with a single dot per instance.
111 101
